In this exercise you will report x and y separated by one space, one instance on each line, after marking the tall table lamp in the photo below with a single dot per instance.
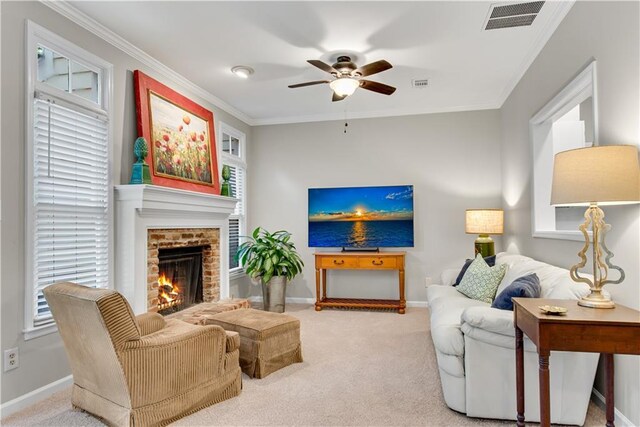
602 175
484 222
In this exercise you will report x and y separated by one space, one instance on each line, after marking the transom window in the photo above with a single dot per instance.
62 73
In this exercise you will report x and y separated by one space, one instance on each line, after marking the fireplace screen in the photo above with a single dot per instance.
180 278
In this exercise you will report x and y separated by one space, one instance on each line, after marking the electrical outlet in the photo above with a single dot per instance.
11 360
427 281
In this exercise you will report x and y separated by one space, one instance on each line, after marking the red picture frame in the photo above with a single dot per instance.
180 133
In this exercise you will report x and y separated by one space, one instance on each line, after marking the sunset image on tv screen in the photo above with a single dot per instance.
361 217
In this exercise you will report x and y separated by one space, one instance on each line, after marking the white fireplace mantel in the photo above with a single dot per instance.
139 208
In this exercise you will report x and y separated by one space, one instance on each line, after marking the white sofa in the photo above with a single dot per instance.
475 349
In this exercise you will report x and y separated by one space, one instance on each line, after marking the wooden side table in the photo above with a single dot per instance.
606 331
380 261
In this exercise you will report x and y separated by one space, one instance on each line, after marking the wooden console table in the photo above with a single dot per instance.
358 261
598 330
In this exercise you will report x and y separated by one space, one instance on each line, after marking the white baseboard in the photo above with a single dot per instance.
418 304
35 396
620 419
294 300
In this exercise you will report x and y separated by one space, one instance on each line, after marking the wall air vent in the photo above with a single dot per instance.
511 15
420 83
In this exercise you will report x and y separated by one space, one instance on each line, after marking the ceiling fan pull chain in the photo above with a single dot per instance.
345 119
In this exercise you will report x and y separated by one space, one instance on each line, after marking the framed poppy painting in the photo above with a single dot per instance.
180 135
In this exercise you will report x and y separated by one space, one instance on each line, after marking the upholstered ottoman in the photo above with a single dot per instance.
268 341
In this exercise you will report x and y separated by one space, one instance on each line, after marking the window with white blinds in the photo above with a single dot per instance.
233 155
68 224
70 200
236 220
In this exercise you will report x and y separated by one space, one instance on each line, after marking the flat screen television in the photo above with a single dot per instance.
361 217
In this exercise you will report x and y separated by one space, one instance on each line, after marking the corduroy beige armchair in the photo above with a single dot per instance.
144 370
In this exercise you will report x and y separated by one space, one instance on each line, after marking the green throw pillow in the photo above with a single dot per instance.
481 282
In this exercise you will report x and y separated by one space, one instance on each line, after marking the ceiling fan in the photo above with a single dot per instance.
348 77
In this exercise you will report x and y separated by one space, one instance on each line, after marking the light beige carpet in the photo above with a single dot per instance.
361 368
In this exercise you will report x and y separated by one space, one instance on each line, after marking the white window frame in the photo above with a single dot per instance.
37 35
582 87
239 162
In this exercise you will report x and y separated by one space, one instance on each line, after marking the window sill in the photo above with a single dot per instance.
562 235
40 331
236 274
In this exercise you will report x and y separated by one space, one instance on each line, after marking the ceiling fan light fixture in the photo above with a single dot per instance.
344 86
242 71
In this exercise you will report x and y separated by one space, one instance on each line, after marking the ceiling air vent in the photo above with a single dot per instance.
511 15
420 83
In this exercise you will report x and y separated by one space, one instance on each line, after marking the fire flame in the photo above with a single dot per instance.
167 299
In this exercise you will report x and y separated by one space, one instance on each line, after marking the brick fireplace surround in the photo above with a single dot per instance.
148 217
165 238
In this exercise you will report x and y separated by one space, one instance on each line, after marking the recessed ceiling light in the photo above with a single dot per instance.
242 71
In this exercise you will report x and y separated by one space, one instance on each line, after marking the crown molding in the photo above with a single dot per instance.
85 21
373 114
90 24
536 46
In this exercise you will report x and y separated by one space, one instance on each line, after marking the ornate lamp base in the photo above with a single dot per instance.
596 300
484 245
594 217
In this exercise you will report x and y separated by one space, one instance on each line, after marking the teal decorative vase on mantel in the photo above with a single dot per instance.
225 188
140 170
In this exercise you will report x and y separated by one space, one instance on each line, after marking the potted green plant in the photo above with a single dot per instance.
271 258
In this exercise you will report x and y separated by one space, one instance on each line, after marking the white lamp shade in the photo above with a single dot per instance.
344 86
607 174
484 221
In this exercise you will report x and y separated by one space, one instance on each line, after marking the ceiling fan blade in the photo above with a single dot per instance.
337 97
373 68
377 87
324 67
317 82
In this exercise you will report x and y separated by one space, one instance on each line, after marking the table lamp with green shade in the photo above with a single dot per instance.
484 222
602 175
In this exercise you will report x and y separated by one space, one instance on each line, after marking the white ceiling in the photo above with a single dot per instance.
467 68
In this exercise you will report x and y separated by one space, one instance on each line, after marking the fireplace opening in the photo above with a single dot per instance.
180 278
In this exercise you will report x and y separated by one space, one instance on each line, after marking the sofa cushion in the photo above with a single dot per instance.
491 338
451 364
491 326
523 287
435 292
490 319
445 321
490 260
555 282
481 281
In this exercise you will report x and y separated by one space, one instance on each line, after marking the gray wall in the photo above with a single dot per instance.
453 161
608 32
42 360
